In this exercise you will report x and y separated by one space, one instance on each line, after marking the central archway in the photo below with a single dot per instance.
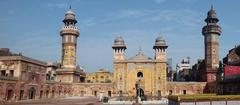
32 93
140 92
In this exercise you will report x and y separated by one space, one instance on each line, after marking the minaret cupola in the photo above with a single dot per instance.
119 49
160 48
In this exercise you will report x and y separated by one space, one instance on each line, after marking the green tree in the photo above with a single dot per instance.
237 50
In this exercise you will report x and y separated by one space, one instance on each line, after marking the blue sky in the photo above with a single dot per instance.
32 27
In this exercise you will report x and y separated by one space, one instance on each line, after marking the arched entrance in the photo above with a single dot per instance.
32 93
140 92
10 94
140 75
21 94
47 92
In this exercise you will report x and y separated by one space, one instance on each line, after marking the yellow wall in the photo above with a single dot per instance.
99 77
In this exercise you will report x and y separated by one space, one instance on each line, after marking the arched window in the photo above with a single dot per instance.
139 74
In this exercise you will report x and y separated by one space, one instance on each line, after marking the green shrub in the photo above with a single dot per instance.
105 99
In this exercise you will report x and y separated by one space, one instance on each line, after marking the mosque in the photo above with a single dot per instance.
24 78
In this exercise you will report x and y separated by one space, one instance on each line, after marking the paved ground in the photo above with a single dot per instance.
65 101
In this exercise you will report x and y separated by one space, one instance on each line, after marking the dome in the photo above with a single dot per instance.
211 15
119 42
70 12
70 16
160 41
140 57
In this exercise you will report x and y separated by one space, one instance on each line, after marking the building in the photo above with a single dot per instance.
232 58
51 71
144 76
184 70
230 73
198 70
21 77
100 76
149 74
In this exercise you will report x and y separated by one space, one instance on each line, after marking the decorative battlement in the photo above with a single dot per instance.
69 27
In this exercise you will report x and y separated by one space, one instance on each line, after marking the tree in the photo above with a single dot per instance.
237 50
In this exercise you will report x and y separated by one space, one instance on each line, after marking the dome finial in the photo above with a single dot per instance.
212 7
70 4
70 7
140 49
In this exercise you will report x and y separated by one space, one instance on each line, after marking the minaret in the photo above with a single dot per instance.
119 49
119 65
160 58
211 32
160 48
69 33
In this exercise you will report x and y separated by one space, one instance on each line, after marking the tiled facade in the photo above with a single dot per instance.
144 76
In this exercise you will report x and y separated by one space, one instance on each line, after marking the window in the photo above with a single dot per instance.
184 92
47 77
33 77
170 92
68 38
3 72
139 74
102 76
72 38
23 75
11 73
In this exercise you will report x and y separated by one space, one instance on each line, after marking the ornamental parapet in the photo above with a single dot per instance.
8 78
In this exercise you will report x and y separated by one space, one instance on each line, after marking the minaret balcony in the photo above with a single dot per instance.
211 29
69 30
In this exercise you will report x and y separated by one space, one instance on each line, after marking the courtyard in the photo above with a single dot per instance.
74 101
60 101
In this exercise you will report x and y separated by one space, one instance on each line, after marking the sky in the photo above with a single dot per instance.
31 27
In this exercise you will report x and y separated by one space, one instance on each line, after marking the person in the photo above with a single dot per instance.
100 96
139 99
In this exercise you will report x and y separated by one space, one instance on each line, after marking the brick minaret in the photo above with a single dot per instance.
69 72
211 32
69 33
